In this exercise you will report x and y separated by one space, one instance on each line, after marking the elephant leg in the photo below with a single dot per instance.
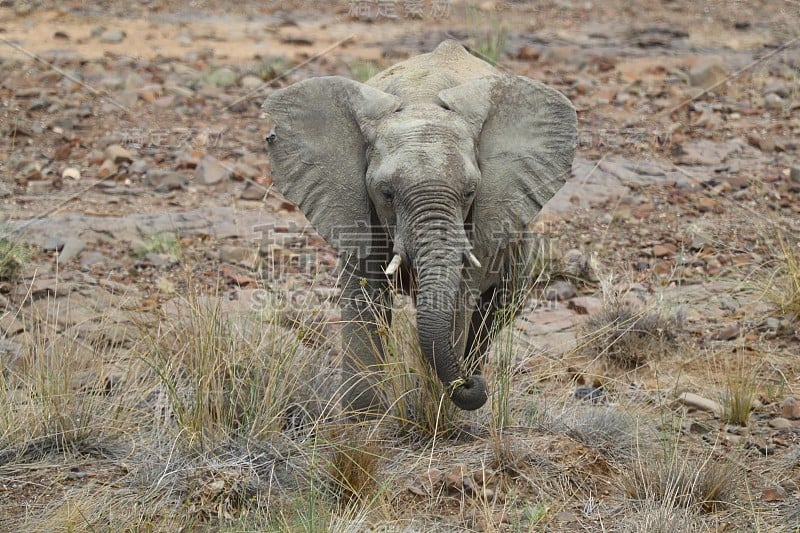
366 304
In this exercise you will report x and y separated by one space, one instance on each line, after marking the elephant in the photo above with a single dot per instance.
425 177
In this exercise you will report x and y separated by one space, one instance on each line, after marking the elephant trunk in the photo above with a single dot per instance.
438 263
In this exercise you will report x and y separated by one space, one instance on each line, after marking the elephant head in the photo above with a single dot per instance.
448 167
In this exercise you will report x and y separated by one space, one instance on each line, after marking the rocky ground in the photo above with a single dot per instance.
133 171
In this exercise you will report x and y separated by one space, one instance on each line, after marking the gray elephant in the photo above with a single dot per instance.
428 174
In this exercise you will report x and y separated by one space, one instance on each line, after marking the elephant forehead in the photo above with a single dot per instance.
431 132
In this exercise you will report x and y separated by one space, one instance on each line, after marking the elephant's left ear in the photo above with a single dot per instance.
526 143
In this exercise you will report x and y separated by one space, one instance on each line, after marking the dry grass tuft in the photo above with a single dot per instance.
606 429
679 481
488 34
420 406
232 378
629 336
56 400
353 468
13 257
783 287
655 517
741 391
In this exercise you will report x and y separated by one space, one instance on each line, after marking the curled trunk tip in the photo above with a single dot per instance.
468 394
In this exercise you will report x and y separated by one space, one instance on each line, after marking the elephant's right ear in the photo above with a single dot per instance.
317 148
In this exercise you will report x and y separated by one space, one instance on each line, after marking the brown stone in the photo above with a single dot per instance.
664 250
527 53
728 333
790 408
774 494
118 154
696 401
662 268
62 152
705 204
106 169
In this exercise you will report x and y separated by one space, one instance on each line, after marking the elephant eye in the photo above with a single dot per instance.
387 194
470 194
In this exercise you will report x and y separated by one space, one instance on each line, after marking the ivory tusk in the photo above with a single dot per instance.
473 260
393 265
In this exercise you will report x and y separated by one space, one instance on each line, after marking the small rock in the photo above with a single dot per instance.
118 154
169 181
297 39
63 152
166 101
559 291
176 90
765 144
591 394
10 351
72 248
22 9
427 484
106 169
239 255
32 172
728 333
71 173
664 250
93 259
696 401
777 87
695 427
701 241
707 73
790 408
188 159
184 38
527 53
53 244
773 102
157 260
770 323
253 191
780 423
251 82
585 305
113 36
794 173
243 171
705 204
774 494
211 171
458 479
139 166
38 104
576 264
